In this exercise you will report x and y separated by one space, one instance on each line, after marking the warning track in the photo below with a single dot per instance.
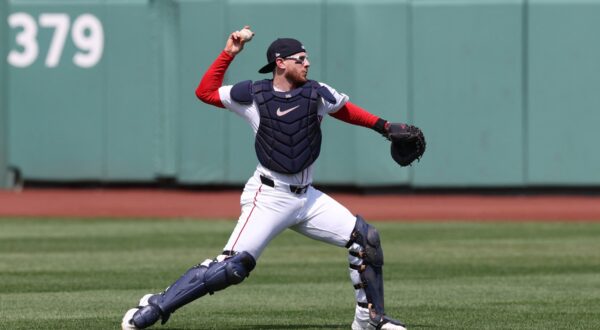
159 203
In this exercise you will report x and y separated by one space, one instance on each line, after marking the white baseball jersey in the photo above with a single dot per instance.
267 211
251 114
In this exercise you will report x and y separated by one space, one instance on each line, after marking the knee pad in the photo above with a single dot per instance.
207 277
366 272
233 270
366 242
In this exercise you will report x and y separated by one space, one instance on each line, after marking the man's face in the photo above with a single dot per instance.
296 67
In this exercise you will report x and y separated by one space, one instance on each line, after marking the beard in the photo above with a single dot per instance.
298 78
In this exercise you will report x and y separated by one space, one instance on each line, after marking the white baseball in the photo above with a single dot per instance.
246 34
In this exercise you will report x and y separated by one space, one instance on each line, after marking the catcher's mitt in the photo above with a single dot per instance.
408 143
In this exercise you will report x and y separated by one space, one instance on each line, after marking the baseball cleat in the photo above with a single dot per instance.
127 322
385 324
144 301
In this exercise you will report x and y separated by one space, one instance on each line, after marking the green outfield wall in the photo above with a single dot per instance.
103 90
3 98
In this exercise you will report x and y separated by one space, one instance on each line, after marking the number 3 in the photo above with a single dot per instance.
87 35
25 39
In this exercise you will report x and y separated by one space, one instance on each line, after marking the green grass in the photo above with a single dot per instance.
84 274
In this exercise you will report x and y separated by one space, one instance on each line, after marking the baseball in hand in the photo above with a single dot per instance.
246 34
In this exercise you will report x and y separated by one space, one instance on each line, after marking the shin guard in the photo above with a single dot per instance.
366 262
207 277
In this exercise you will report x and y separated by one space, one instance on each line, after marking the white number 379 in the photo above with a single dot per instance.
86 32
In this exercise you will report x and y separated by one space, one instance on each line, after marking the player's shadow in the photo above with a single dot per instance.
280 326
296 326
301 326
320 326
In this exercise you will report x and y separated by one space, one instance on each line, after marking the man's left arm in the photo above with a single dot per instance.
408 142
355 115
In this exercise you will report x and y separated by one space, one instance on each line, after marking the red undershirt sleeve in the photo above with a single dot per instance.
353 114
208 88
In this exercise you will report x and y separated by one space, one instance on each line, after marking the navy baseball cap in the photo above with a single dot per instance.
282 47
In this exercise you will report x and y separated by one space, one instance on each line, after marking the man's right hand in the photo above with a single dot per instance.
235 43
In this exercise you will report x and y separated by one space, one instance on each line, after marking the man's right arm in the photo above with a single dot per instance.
208 89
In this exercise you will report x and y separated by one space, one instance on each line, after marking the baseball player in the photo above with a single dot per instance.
285 113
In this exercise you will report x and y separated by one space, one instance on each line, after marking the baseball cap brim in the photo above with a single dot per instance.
267 68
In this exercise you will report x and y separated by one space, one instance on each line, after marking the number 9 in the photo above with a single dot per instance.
92 42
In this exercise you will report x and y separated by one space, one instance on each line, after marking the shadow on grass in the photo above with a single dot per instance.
280 326
307 326
296 326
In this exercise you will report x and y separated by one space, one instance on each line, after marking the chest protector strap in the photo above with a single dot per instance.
242 92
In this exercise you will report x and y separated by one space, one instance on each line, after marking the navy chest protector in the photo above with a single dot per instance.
288 139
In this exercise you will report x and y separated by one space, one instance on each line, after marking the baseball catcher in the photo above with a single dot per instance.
285 114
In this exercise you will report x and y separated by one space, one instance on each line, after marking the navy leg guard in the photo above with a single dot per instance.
146 316
366 259
199 280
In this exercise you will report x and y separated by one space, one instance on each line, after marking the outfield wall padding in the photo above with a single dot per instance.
505 90
3 97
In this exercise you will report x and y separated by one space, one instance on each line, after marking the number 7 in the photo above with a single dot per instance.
60 23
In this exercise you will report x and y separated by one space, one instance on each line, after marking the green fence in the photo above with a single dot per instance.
3 99
504 90
562 102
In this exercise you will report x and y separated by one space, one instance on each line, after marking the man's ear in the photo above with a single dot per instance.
279 62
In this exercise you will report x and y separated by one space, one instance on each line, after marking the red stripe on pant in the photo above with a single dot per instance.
247 219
